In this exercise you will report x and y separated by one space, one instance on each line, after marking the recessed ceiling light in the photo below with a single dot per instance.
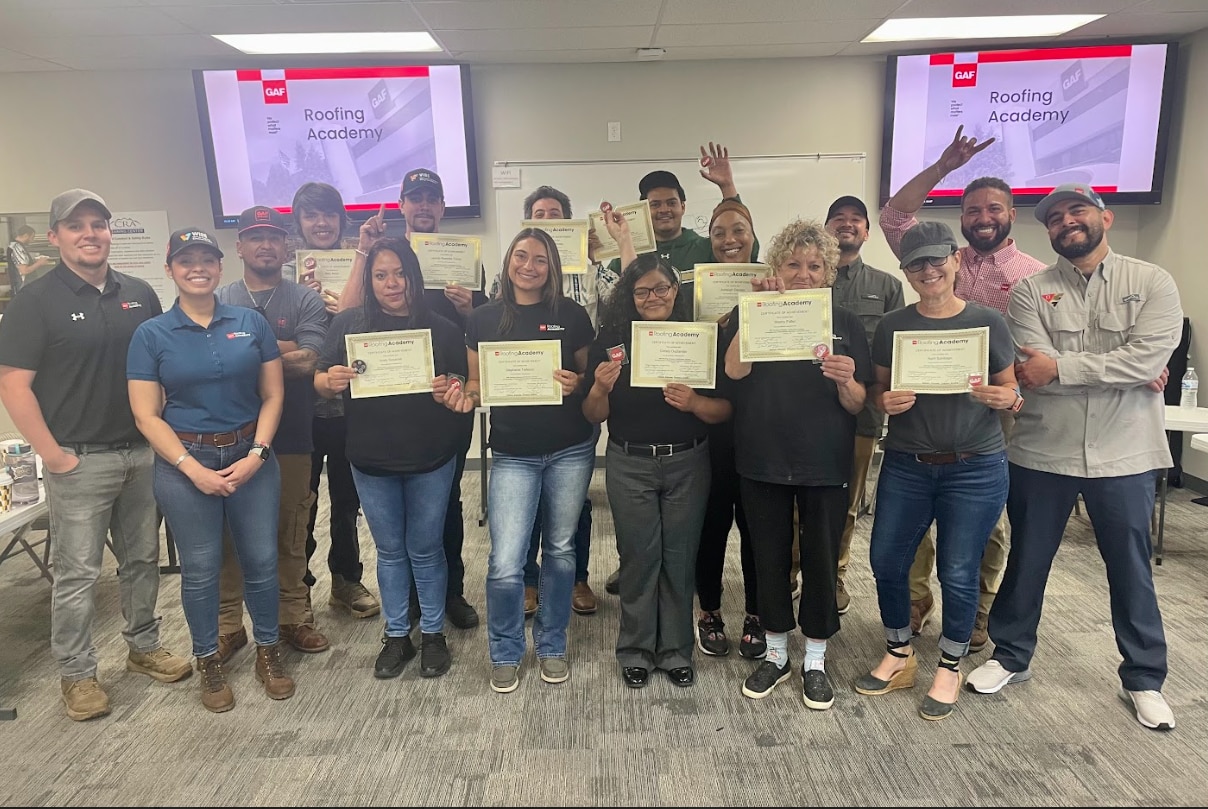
372 42
1049 25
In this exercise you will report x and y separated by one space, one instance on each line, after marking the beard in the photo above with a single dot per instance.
1094 237
985 245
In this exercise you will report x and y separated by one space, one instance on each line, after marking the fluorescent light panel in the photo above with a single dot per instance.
370 42
924 28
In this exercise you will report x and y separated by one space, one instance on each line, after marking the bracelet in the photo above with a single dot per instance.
181 459
362 252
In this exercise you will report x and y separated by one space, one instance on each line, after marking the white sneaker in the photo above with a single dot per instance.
990 677
1152 710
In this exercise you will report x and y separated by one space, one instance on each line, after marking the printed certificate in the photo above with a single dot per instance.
519 372
939 361
390 363
641 229
330 268
718 287
785 326
667 351
445 260
570 235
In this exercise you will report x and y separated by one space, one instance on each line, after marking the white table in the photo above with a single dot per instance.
15 525
1200 442
1178 419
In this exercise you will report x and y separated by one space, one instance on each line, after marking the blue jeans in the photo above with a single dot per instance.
965 500
532 570
406 515
559 481
197 520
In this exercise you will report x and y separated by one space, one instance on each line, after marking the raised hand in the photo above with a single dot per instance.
960 151
715 167
373 229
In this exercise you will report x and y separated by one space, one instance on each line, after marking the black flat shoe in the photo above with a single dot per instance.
635 676
682 676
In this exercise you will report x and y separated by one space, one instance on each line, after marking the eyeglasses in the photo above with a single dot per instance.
660 291
921 264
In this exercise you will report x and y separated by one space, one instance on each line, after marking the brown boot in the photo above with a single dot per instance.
229 643
84 698
270 670
921 612
216 694
980 636
530 602
304 638
582 599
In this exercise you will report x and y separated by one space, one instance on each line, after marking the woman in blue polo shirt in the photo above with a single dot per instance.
206 389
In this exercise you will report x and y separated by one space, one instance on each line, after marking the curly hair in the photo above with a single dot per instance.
619 309
805 233
551 294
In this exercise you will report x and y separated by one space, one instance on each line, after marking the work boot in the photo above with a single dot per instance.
270 670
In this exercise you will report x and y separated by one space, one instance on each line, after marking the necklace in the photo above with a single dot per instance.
261 308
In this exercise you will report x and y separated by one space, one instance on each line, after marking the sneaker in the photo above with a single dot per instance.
1152 710
530 601
613 585
395 654
980 636
754 644
765 678
354 597
816 689
842 599
85 699
231 642
460 613
505 679
434 659
216 694
270 670
921 612
711 635
990 677
582 599
159 664
555 670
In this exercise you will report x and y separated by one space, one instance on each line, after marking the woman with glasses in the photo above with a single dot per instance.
944 461
657 466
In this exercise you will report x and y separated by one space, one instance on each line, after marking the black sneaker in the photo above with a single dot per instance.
460 613
711 635
393 657
753 645
816 689
434 659
613 585
765 678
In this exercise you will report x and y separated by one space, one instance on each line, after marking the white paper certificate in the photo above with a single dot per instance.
719 286
570 237
520 372
641 230
445 260
669 351
330 268
939 361
390 363
785 326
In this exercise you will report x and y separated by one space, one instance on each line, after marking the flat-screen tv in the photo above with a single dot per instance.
1095 114
266 132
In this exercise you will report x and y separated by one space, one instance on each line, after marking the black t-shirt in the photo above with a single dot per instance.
789 427
76 338
543 429
949 422
404 434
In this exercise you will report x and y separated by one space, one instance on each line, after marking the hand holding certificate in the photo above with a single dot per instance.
329 267
446 260
390 363
719 286
940 361
785 326
520 372
570 237
641 229
668 351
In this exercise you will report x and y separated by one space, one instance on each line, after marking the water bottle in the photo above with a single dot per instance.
22 466
1191 390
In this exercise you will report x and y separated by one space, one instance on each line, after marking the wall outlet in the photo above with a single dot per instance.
614 131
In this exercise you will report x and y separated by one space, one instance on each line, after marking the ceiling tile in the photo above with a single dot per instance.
762 33
552 39
703 12
706 53
299 19
1136 25
461 14
93 21
961 8
1167 6
182 47
576 56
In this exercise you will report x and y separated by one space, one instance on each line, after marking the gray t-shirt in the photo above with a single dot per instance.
945 422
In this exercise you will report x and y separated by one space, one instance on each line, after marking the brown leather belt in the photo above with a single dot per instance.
219 439
943 457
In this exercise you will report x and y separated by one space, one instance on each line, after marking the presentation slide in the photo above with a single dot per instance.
1059 115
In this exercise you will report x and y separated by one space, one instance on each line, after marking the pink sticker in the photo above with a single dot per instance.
821 351
975 380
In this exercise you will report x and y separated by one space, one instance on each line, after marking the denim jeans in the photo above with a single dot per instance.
197 521
965 499
559 480
532 570
107 492
406 515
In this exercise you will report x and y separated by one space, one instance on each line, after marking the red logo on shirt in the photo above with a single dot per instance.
1052 297
1005 287
542 327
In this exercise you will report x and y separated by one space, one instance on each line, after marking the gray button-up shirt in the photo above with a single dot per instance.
1112 335
870 293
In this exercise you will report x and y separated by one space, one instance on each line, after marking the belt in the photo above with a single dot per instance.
943 457
83 448
655 450
219 439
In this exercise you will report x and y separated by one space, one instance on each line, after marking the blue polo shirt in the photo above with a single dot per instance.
210 376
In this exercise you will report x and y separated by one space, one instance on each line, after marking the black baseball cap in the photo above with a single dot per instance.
659 179
421 179
191 237
927 240
261 216
845 201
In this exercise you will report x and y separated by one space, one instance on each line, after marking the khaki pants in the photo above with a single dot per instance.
293 516
861 460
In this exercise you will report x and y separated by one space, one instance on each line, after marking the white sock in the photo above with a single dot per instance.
778 648
815 654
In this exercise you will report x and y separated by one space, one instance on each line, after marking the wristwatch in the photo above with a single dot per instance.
260 451
1015 408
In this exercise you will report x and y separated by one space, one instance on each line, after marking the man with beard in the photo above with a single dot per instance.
1091 332
991 265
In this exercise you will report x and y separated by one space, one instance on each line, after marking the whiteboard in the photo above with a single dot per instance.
776 188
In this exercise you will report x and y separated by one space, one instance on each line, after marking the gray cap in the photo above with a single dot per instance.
927 240
1061 193
62 205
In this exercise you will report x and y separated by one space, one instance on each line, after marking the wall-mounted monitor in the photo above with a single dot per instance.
1095 114
266 132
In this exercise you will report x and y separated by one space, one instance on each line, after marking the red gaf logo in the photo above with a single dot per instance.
543 327
275 92
1052 297
964 75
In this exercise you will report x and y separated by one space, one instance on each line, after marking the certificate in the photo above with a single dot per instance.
520 372
718 287
641 230
570 237
667 351
785 326
939 361
445 260
389 363
330 268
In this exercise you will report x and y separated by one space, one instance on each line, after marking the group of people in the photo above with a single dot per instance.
221 391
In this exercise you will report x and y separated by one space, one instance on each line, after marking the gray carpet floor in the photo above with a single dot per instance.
346 739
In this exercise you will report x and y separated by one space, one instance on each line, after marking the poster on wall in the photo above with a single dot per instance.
139 245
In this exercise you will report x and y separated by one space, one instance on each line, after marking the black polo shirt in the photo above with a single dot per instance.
75 338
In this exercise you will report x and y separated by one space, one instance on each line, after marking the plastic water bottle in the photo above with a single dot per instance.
1191 390
22 466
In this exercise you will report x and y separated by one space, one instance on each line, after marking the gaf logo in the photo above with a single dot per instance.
964 75
1073 81
274 92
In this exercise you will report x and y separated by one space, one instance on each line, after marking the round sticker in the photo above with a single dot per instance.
359 366
975 380
310 263
821 351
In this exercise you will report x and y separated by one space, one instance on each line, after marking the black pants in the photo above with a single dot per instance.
724 509
344 555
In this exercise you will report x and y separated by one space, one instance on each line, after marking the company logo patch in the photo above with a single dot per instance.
550 327
77 315
275 92
1052 297
1133 298
231 335
131 305
964 75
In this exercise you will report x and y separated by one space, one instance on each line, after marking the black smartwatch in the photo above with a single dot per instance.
260 451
